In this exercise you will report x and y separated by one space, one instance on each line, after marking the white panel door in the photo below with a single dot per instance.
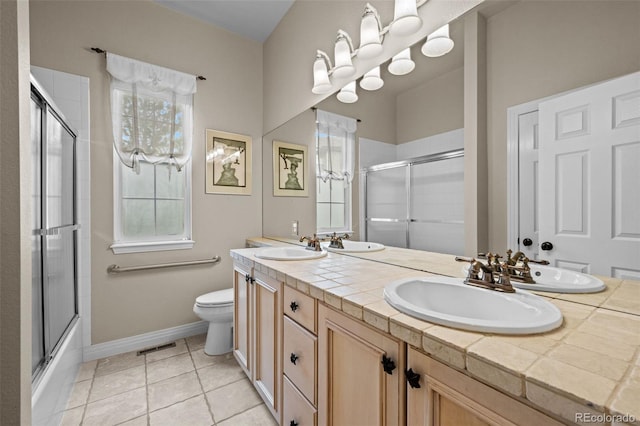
590 179
528 184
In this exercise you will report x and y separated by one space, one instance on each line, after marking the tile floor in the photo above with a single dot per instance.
175 386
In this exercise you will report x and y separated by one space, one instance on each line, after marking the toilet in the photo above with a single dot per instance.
217 309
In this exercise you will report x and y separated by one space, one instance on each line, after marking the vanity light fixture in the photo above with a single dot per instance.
343 51
402 64
321 66
438 43
348 93
370 33
371 80
405 18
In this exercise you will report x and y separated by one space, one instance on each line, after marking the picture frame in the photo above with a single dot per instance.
290 170
228 163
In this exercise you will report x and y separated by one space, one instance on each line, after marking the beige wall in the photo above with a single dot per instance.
229 100
279 212
539 48
432 108
15 215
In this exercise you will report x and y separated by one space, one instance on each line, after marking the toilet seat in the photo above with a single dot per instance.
216 298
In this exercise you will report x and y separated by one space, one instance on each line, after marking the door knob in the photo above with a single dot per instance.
546 246
527 242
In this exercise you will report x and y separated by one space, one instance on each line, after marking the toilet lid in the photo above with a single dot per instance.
216 298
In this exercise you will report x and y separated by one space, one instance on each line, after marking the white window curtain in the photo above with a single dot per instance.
151 111
336 139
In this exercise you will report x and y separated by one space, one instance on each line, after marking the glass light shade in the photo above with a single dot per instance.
405 18
371 80
370 42
348 93
342 56
321 82
438 43
402 64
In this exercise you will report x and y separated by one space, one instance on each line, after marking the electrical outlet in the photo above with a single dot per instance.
294 228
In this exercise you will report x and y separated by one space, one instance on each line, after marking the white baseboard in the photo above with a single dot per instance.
143 341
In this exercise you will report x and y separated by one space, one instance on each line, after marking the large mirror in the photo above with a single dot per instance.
534 50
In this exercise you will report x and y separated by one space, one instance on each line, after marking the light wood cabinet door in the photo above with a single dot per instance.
267 339
242 317
447 397
296 411
353 387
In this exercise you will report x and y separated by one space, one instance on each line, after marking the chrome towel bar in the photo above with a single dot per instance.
115 269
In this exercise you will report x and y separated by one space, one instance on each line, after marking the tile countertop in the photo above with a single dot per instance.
591 364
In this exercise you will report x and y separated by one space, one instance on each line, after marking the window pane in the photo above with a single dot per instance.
170 219
337 215
137 218
137 185
323 191
323 216
337 191
169 182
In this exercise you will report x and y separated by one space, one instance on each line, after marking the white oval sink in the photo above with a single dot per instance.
450 302
289 253
354 247
558 280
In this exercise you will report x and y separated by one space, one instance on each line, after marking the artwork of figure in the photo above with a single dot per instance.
292 177
228 175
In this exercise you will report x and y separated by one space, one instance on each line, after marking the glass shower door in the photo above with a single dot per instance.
386 206
54 282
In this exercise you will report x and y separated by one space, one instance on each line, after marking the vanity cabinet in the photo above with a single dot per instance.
257 332
447 397
360 373
299 359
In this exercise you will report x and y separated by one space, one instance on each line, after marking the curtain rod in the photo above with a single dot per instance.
104 52
315 108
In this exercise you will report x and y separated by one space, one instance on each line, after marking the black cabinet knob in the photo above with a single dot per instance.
247 277
546 246
413 378
294 306
388 365
293 423
293 358
527 242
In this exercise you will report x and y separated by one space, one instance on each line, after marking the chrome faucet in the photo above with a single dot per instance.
313 243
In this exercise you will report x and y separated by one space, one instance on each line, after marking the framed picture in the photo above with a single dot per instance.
290 170
228 162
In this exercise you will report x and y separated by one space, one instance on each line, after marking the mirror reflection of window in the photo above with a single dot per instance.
335 148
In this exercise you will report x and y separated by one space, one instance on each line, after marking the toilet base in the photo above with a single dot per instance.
219 338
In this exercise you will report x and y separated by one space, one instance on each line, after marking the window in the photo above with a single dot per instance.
335 146
151 111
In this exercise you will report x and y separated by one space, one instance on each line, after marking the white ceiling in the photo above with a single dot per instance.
254 19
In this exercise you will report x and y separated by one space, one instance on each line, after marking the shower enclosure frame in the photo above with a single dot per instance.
408 164
49 111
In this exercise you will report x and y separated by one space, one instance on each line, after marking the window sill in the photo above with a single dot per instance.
124 248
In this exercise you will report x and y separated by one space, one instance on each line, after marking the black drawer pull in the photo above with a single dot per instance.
293 358
294 306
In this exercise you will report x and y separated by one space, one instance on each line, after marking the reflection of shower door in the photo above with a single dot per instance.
417 203
54 282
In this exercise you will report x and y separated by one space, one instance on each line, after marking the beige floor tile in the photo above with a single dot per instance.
232 399
86 371
72 417
118 363
79 394
180 348
167 392
138 421
192 412
257 416
169 367
116 409
200 359
220 374
115 383
196 342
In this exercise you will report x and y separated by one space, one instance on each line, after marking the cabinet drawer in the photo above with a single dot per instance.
300 307
295 408
300 358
